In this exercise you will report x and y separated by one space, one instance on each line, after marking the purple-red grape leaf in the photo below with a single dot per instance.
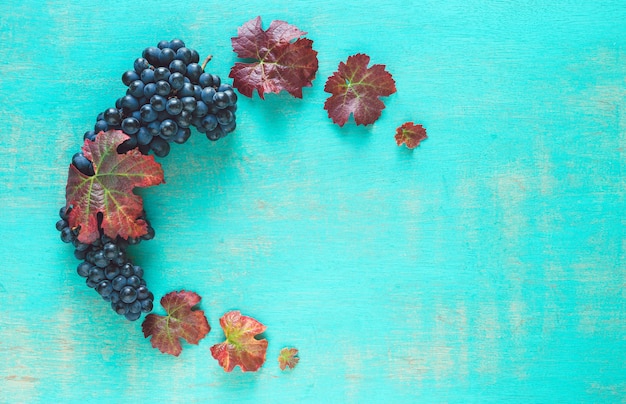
110 190
282 59
180 322
410 134
356 89
287 358
240 348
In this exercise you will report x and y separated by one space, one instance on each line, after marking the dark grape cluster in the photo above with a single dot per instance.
168 92
108 270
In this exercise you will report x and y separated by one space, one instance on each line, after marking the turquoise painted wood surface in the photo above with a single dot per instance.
485 266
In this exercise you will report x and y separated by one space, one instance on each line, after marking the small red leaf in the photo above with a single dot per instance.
410 134
240 348
287 358
180 322
280 62
356 89
110 190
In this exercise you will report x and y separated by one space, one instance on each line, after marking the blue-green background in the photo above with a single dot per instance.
485 266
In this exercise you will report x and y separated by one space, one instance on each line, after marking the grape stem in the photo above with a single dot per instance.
206 61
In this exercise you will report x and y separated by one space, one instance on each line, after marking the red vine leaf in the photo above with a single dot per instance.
180 322
287 358
356 89
240 348
280 63
109 190
410 134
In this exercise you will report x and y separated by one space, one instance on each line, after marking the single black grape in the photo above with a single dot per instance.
174 106
130 316
129 76
166 57
163 88
141 64
91 135
161 73
119 282
104 288
201 109
144 137
147 76
160 147
183 54
129 104
82 164
120 307
80 246
111 271
182 135
136 88
168 128
146 305
158 102
209 122
96 274
133 281
232 97
66 235
176 44
61 223
195 57
114 297
229 128
215 134
184 119
126 270
208 93
110 250
130 125
148 114
135 307
178 66
220 99
138 271
112 116
83 269
149 90
154 128
205 80
100 126
176 80
224 117
151 54
194 70
128 294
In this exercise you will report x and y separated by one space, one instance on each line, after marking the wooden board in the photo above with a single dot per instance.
485 266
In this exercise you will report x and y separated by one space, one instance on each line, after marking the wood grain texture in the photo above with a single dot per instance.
485 266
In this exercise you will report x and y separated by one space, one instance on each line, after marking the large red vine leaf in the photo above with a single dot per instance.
280 63
287 358
410 134
180 322
240 348
356 89
110 190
